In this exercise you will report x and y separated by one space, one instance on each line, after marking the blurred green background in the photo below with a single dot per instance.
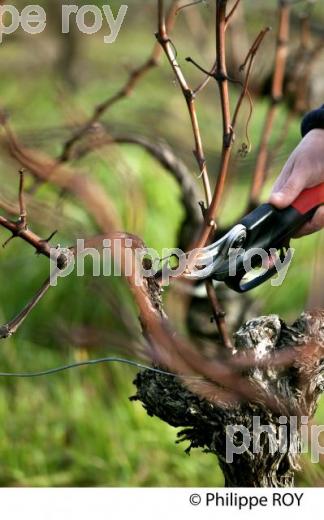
79 428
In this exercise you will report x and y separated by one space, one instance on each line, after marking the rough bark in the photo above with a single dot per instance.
205 425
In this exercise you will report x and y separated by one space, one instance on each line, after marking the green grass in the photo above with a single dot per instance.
80 429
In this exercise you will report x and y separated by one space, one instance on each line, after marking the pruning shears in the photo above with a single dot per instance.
258 246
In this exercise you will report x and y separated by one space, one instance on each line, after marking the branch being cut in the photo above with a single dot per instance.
219 73
221 76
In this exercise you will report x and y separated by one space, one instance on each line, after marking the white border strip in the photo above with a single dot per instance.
166 504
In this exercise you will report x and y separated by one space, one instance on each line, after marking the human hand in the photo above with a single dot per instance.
304 169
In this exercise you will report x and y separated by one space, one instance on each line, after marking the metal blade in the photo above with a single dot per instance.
214 255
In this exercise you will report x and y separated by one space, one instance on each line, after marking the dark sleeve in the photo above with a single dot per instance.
314 119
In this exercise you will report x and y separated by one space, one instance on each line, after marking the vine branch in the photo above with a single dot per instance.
169 50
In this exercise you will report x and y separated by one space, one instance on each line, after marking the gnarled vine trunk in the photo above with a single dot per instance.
208 426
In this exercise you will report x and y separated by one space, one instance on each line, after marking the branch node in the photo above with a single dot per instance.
229 138
43 243
189 95
220 76
203 208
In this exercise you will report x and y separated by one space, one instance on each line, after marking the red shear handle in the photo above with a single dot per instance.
309 199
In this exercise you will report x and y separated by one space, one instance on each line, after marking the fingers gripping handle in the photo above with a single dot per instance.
309 199
268 227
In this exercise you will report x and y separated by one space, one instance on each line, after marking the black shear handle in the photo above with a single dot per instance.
269 228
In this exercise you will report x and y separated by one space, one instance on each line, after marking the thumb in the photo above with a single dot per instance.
288 193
